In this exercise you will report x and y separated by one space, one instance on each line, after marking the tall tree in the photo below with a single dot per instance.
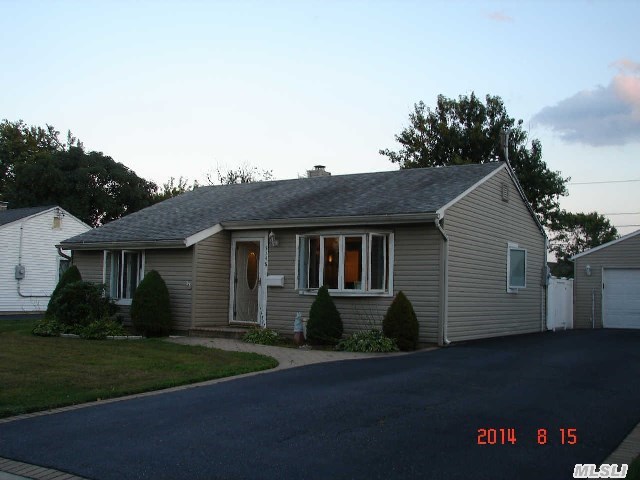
20 143
40 169
573 233
245 173
174 187
468 130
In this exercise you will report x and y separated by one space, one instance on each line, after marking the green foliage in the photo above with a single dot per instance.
47 327
71 275
367 341
262 336
101 329
401 323
172 189
573 233
245 173
37 168
467 130
150 308
324 325
81 303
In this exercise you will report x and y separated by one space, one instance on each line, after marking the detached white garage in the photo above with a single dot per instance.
607 285
621 298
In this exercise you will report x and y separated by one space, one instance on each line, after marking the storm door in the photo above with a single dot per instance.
247 282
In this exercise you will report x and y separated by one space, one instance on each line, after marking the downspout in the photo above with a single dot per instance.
444 280
63 255
20 263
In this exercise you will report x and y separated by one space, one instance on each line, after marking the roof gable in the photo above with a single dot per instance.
605 245
387 194
14 214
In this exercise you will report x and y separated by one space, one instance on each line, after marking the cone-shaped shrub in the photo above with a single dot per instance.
324 325
72 274
150 308
401 323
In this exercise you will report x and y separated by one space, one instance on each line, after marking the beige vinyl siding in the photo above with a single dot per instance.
211 285
479 227
175 266
622 254
89 263
416 272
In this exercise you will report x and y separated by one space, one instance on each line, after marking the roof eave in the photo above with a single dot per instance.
331 221
133 245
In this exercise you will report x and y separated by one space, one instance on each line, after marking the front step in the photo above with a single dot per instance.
235 332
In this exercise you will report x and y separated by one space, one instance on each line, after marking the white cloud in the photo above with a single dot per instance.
499 17
601 116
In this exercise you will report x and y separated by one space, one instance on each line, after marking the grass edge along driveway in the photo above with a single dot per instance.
40 373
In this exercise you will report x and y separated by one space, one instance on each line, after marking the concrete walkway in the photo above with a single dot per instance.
286 357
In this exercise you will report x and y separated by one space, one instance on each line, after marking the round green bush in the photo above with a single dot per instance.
367 341
72 274
325 325
401 323
150 307
261 336
81 303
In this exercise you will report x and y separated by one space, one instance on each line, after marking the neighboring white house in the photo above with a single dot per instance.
30 264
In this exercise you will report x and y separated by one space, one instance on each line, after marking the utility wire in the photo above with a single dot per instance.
625 213
604 181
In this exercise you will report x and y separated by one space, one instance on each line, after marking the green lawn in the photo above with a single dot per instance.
38 373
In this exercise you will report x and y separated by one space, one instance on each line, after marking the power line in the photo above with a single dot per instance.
605 181
624 213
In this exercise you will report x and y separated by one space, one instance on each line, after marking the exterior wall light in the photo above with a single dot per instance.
273 241
587 270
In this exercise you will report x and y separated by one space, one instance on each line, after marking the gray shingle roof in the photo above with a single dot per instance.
397 192
14 214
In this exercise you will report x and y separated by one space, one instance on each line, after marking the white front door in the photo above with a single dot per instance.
248 292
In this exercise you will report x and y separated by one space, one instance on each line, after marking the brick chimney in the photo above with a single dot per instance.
318 171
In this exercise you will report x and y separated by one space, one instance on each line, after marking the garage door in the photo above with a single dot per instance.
621 298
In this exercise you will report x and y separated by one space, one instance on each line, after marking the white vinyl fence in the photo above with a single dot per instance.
560 303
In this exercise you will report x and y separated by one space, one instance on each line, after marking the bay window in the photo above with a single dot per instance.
348 263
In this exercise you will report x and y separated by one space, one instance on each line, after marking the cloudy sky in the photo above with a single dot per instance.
177 88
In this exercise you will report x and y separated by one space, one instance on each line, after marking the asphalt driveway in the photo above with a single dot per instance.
413 416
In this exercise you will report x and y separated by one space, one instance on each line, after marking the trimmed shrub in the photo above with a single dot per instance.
367 341
80 303
262 336
150 308
325 325
401 323
71 275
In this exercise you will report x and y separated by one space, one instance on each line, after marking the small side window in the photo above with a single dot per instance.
516 268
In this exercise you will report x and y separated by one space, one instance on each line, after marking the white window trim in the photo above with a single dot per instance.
366 238
511 246
120 301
